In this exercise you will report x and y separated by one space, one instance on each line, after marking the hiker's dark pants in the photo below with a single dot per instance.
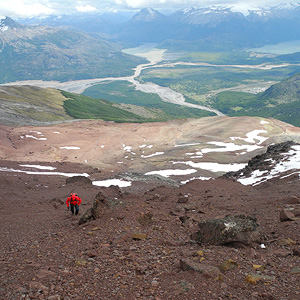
74 207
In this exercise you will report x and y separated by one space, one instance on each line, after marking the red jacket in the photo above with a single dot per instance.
73 199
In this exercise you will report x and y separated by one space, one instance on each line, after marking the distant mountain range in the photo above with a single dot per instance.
49 53
211 28
89 45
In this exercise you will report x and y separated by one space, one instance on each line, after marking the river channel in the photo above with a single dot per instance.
155 57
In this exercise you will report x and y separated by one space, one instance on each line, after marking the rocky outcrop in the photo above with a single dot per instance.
231 229
263 162
100 205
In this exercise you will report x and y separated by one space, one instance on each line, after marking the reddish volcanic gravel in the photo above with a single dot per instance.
134 250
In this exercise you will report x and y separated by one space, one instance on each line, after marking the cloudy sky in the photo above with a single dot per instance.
30 8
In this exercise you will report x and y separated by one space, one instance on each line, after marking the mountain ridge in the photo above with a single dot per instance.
262 25
35 52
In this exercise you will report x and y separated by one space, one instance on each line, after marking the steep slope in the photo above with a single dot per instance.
280 101
28 105
42 52
137 247
141 241
141 244
287 90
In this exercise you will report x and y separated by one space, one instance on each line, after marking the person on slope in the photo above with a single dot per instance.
74 201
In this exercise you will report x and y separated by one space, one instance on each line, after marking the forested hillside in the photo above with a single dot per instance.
280 101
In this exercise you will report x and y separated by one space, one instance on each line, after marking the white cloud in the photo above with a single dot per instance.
176 4
26 8
86 8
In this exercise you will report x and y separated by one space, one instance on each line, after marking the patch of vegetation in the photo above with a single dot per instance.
222 57
123 92
237 57
85 107
193 81
199 83
281 101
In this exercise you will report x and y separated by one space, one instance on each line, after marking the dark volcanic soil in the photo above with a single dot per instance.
44 254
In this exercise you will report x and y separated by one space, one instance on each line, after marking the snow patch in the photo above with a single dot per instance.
151 155
229 147
3 169
39 167
290 161
109 182
4 28
214 167
69 148
252 136
194 178
35 138
127 148
172 172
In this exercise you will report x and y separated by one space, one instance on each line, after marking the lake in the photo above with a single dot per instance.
281 48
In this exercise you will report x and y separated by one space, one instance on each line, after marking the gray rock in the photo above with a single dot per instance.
231 229
287 215
207 270
79 180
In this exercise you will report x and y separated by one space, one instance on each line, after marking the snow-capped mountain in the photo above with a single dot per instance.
285 11
7 23
200 16
222 27
148 15
219 13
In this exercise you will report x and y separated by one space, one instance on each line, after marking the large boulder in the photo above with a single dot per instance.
231 229
100 205
79 180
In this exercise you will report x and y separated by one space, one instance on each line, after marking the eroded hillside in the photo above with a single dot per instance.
182 149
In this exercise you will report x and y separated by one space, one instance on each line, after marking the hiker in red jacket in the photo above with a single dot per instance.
74 201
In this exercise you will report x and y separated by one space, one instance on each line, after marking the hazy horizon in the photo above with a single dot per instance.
42 8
